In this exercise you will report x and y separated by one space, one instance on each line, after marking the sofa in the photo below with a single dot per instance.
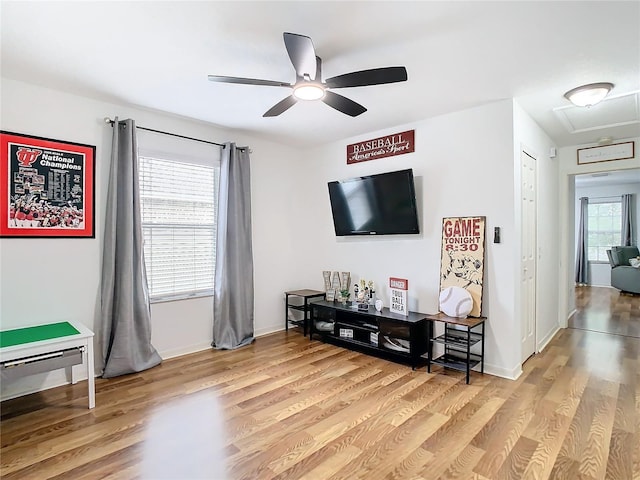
624 277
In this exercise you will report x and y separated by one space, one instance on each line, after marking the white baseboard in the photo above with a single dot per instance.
509 374
545 341
199 347
267 330
566 320
178 352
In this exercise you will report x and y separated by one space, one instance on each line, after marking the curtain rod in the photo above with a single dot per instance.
111 122
607 196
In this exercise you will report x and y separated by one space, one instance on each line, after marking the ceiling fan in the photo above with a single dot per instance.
309 84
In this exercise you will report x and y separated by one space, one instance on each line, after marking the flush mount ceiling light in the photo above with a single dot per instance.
588 95
308 91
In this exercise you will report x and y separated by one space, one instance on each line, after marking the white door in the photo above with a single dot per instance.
528 260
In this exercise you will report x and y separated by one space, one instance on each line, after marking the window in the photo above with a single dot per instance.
605 226
179 227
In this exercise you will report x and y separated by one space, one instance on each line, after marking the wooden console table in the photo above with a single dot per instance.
42 348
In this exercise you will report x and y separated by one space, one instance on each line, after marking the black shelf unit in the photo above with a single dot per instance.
398 338
460 335
307 295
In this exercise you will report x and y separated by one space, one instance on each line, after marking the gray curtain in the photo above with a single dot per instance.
126 316
582 260
233 290
627 221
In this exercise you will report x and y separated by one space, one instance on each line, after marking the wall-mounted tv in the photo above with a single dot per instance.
382 204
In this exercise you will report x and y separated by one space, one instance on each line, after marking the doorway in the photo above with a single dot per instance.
529 228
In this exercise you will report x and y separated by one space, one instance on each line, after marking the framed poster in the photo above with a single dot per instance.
46 187
606 153
462 257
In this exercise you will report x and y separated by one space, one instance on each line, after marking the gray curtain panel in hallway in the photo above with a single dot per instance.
233 290
627 221
126 316
582 259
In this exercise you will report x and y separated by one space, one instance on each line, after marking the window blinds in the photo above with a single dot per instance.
178 224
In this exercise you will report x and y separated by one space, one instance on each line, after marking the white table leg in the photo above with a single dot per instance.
91 381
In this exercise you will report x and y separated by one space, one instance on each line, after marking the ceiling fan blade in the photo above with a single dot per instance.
281 106
302 54
363 78
248 81
343 104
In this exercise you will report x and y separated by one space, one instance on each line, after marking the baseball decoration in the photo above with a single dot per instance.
462 257
378 305
455 302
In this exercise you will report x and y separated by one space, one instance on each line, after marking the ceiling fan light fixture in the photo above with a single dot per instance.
309 84
588 95
308 91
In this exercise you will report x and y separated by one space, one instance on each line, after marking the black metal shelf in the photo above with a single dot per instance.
460 334
297 307
359 326
356 342
458 338
455 362
365 323
306 295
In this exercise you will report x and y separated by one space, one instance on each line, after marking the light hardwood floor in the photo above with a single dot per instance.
288 408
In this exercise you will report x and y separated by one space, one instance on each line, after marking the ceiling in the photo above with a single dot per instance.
614 177
157 55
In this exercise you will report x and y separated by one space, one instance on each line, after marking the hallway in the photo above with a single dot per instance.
606 310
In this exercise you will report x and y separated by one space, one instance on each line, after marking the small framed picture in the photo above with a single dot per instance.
606 153
46 187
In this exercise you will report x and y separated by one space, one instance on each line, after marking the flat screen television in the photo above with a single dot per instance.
382 204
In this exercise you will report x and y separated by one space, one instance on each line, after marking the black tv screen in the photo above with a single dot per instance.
381 204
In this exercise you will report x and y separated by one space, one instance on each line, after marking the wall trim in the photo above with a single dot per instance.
178 352
268 330
509 374
545 341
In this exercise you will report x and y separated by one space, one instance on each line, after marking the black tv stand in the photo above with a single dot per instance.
399 338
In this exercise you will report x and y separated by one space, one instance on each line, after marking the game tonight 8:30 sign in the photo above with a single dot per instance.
462 257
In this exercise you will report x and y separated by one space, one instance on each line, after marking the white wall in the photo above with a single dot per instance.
600 273
464 166
569 167
529 137
44 280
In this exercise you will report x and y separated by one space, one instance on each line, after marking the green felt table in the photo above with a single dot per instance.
20 336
